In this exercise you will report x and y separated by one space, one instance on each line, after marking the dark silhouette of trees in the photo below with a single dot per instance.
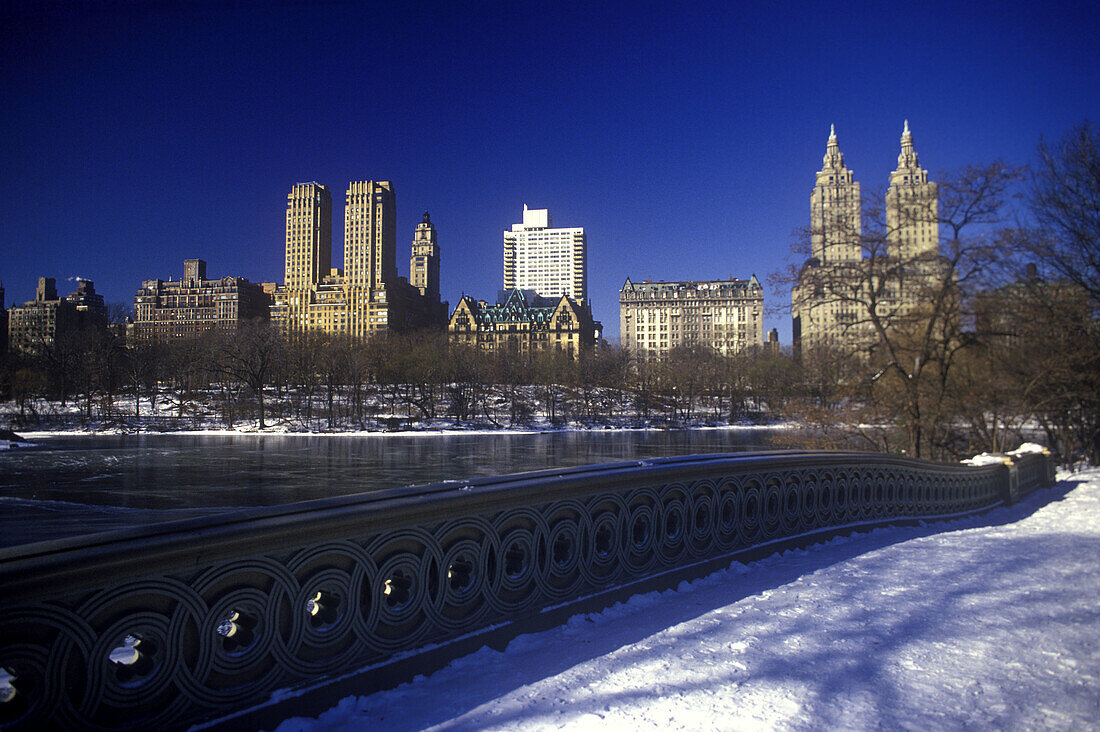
249 356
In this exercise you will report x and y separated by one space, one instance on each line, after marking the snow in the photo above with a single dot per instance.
987 622
1029 447
249 429
986 458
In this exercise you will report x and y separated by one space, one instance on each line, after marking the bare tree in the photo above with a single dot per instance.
249 355
1065 199
1053 334
902 311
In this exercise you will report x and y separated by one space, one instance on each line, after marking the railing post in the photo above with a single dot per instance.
1013 481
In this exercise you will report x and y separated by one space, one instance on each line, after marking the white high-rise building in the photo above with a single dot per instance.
552 262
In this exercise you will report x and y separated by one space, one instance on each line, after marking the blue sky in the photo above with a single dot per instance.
683 137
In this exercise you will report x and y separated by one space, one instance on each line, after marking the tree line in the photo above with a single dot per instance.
315 380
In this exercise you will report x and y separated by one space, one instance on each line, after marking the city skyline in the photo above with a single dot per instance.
683 139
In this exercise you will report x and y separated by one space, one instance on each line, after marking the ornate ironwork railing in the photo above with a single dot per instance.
176 623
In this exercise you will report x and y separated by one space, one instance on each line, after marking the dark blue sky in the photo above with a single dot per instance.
683 137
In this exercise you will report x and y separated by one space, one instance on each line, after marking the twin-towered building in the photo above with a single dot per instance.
367 295
829 302
364 297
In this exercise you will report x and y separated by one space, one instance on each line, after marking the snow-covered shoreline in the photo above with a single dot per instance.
426 432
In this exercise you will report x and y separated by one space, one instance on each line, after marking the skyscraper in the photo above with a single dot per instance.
308 235
836 250
835 209
370 234
366 296
912 226
424 263
551 262
842 296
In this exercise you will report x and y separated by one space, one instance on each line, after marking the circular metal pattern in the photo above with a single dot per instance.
809 499
842 500
464 572
702 521
236 625
826 496
791 505
752 511
564 552
190 642
400 589
772 502
672 529
605 532
640 531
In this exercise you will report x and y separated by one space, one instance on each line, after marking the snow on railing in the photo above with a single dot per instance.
188 621
1029 467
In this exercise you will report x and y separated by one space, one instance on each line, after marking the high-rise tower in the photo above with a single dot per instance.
308 235
835 209
912 225
424 263
552 262
370 234
366 297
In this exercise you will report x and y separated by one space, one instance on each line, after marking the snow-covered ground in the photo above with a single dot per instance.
989 622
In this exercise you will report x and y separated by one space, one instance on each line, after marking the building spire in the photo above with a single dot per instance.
833 157
907 158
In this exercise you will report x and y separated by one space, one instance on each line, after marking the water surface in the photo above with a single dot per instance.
71 485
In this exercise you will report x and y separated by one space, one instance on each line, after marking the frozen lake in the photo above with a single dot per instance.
75 484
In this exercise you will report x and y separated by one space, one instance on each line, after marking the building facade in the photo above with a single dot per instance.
38 324
836 250
725 315
168 311
365 297
308 235
551 262
424 262
912 207
835 209
522 322
3 322
424 269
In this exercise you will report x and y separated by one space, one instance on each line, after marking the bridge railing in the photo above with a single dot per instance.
188 621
